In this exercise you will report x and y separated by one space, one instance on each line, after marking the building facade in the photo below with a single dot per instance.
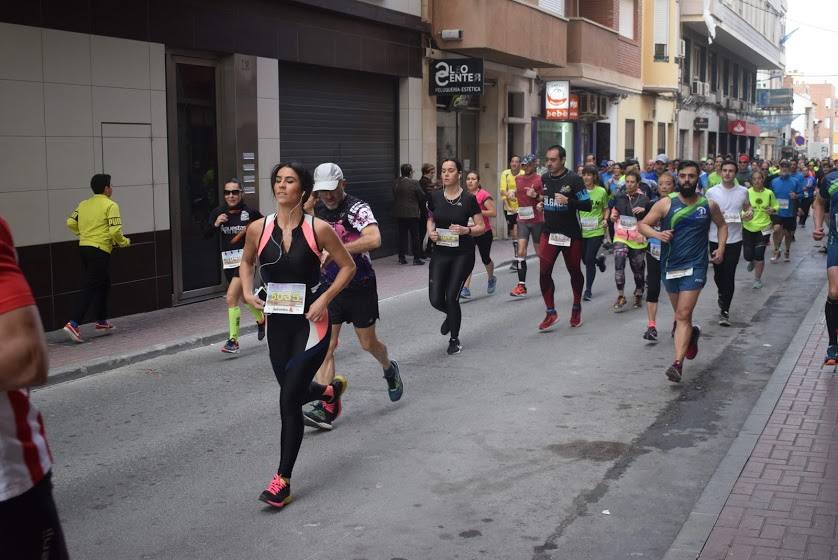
171 99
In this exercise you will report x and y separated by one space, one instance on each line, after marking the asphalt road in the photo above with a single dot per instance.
562 445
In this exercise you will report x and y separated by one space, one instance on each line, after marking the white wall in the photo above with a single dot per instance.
65 101
267 119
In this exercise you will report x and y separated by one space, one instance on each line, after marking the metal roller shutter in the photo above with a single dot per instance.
349 118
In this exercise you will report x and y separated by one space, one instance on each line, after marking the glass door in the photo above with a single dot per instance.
193 110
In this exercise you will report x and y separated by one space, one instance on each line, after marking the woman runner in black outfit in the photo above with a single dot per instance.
287 247
453 255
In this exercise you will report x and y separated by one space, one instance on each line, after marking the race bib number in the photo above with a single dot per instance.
447 238
784 203
628 223
590 223
559 240
673 274
733 217
231 259
526 212
655 248
289 299
768 231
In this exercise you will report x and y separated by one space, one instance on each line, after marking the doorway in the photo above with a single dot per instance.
193 103
456 136
603 141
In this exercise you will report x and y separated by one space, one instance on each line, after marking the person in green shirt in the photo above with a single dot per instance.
593 227
98 224
756 232
715 177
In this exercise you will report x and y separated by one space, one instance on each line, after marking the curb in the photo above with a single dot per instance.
70 373
695 531
100 365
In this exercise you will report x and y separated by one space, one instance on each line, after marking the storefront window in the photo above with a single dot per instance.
456 136
549 133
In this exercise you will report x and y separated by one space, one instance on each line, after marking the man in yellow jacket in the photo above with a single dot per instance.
506 187
97 223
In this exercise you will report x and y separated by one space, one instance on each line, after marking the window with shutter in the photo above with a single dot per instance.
627 18
661 30
552 6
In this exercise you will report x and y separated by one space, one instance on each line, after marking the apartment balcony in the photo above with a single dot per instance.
599 58
734 33
510 32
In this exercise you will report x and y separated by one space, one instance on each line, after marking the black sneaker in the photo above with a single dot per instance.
724 318
395 387
278 492
673 373
418 262
651 334
587 295
402 261
600 262
260 329
454 346
318 417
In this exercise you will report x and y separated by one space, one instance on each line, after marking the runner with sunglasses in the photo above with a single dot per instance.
231 220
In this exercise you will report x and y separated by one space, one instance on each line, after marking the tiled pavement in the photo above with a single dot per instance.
784 505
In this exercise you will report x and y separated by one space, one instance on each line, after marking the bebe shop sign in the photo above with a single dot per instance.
457 76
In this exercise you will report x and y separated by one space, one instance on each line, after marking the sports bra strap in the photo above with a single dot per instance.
308 233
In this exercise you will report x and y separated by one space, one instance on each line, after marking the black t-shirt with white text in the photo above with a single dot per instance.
447 212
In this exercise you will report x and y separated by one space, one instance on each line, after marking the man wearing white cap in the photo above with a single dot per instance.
356 226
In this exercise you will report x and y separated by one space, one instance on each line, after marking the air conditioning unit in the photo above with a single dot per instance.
700 88
602 107
587 104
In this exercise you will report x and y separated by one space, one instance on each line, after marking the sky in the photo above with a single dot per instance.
810 49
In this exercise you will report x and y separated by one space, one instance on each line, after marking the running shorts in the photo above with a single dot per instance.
694 281
530 229
231 273
789 224
484 246
511 219
832 252
356 305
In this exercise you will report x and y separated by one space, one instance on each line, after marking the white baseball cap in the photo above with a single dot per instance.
327 177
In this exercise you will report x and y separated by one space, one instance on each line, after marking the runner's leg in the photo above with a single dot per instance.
370 343
684 305
547 255
573 261
326 373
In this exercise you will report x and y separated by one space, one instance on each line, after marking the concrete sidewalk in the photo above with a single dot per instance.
775 495
146 335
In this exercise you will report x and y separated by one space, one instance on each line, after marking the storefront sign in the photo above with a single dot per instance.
742 128
780 97
573 114
701 123
457 76
557 101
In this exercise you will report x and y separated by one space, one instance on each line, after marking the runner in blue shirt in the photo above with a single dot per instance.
809 184
827 199
685 230
787 190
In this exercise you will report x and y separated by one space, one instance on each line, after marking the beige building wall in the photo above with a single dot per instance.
644 109
660 75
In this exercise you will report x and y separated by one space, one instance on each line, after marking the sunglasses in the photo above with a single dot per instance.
235 192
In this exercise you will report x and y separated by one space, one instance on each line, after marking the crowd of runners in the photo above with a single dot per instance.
305 270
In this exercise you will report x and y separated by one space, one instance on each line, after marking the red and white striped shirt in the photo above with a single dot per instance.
24 453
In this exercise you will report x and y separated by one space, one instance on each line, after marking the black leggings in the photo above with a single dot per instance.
653 278
29 525
96 284
804 205
295 360
448 272
590 250
754 244
484 246
637 262
725 274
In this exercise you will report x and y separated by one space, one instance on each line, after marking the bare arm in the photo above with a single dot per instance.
718 218
369 241
491 211
248 262
819 212
647 226
24 360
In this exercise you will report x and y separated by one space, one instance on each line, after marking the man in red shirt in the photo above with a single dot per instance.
528 190
29 525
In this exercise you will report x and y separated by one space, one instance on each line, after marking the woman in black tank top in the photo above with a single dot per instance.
285 249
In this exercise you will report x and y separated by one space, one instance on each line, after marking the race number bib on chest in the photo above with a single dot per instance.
559 240
733 217
784 203
682 273
628 223
289 299
589 223
526 212
447 238
231 259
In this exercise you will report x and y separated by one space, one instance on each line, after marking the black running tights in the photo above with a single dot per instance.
592 245
295 366
448 272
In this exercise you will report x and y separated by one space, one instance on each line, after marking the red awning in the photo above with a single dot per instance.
742 128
